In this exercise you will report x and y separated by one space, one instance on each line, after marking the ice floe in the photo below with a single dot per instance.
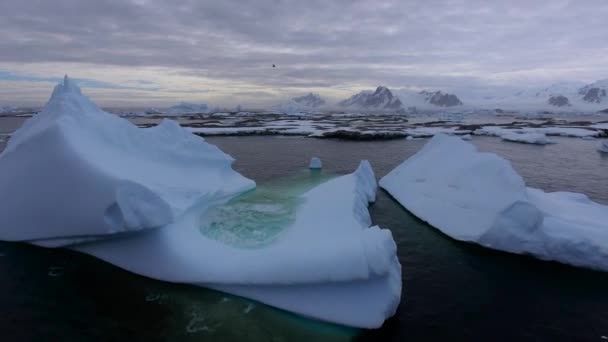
478 197
527 138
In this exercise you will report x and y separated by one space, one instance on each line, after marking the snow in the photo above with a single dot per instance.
315 163
120 178
603 147
478 197
527 138
75 176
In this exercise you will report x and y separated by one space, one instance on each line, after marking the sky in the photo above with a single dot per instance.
156 53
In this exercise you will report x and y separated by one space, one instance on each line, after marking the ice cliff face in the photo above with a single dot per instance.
381 99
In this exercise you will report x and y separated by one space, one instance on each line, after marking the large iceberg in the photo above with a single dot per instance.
478 197
77 177
527 138
75 173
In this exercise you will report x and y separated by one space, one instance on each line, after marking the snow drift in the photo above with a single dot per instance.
74 176
478 197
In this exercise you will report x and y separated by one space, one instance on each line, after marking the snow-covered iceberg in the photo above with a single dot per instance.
327 264
77 177
74 173
527 138
478 197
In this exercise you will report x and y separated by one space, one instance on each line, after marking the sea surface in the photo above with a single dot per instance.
451 290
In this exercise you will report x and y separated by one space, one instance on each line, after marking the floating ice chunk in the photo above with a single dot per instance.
74 173
603 147
353 277
466 137
527 138
478 197
315 163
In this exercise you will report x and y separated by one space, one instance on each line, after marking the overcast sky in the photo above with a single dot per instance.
149 52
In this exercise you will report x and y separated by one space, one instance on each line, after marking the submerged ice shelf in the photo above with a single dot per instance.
478 197
165 204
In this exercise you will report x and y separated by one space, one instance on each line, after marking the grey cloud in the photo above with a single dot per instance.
317 43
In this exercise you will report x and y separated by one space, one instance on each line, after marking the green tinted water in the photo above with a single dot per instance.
257 218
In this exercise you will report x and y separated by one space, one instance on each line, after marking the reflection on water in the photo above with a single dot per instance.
256 218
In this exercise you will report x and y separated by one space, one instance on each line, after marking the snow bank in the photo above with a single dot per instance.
527 138
315 163
76 172
478 197
74 175
328 264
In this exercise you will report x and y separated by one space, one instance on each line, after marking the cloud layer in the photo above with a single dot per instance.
219 49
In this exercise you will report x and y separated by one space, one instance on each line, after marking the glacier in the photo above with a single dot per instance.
478 197
81 178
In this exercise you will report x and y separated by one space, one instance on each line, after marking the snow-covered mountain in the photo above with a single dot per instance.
561 96
441 99
189 108
596 92
309 101
301 104
427 100
381 99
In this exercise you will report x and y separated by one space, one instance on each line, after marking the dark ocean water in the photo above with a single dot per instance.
452 290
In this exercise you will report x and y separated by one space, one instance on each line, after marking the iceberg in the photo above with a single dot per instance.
81 178
527 138
603 147
328 264
85 174
315 163
478 197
